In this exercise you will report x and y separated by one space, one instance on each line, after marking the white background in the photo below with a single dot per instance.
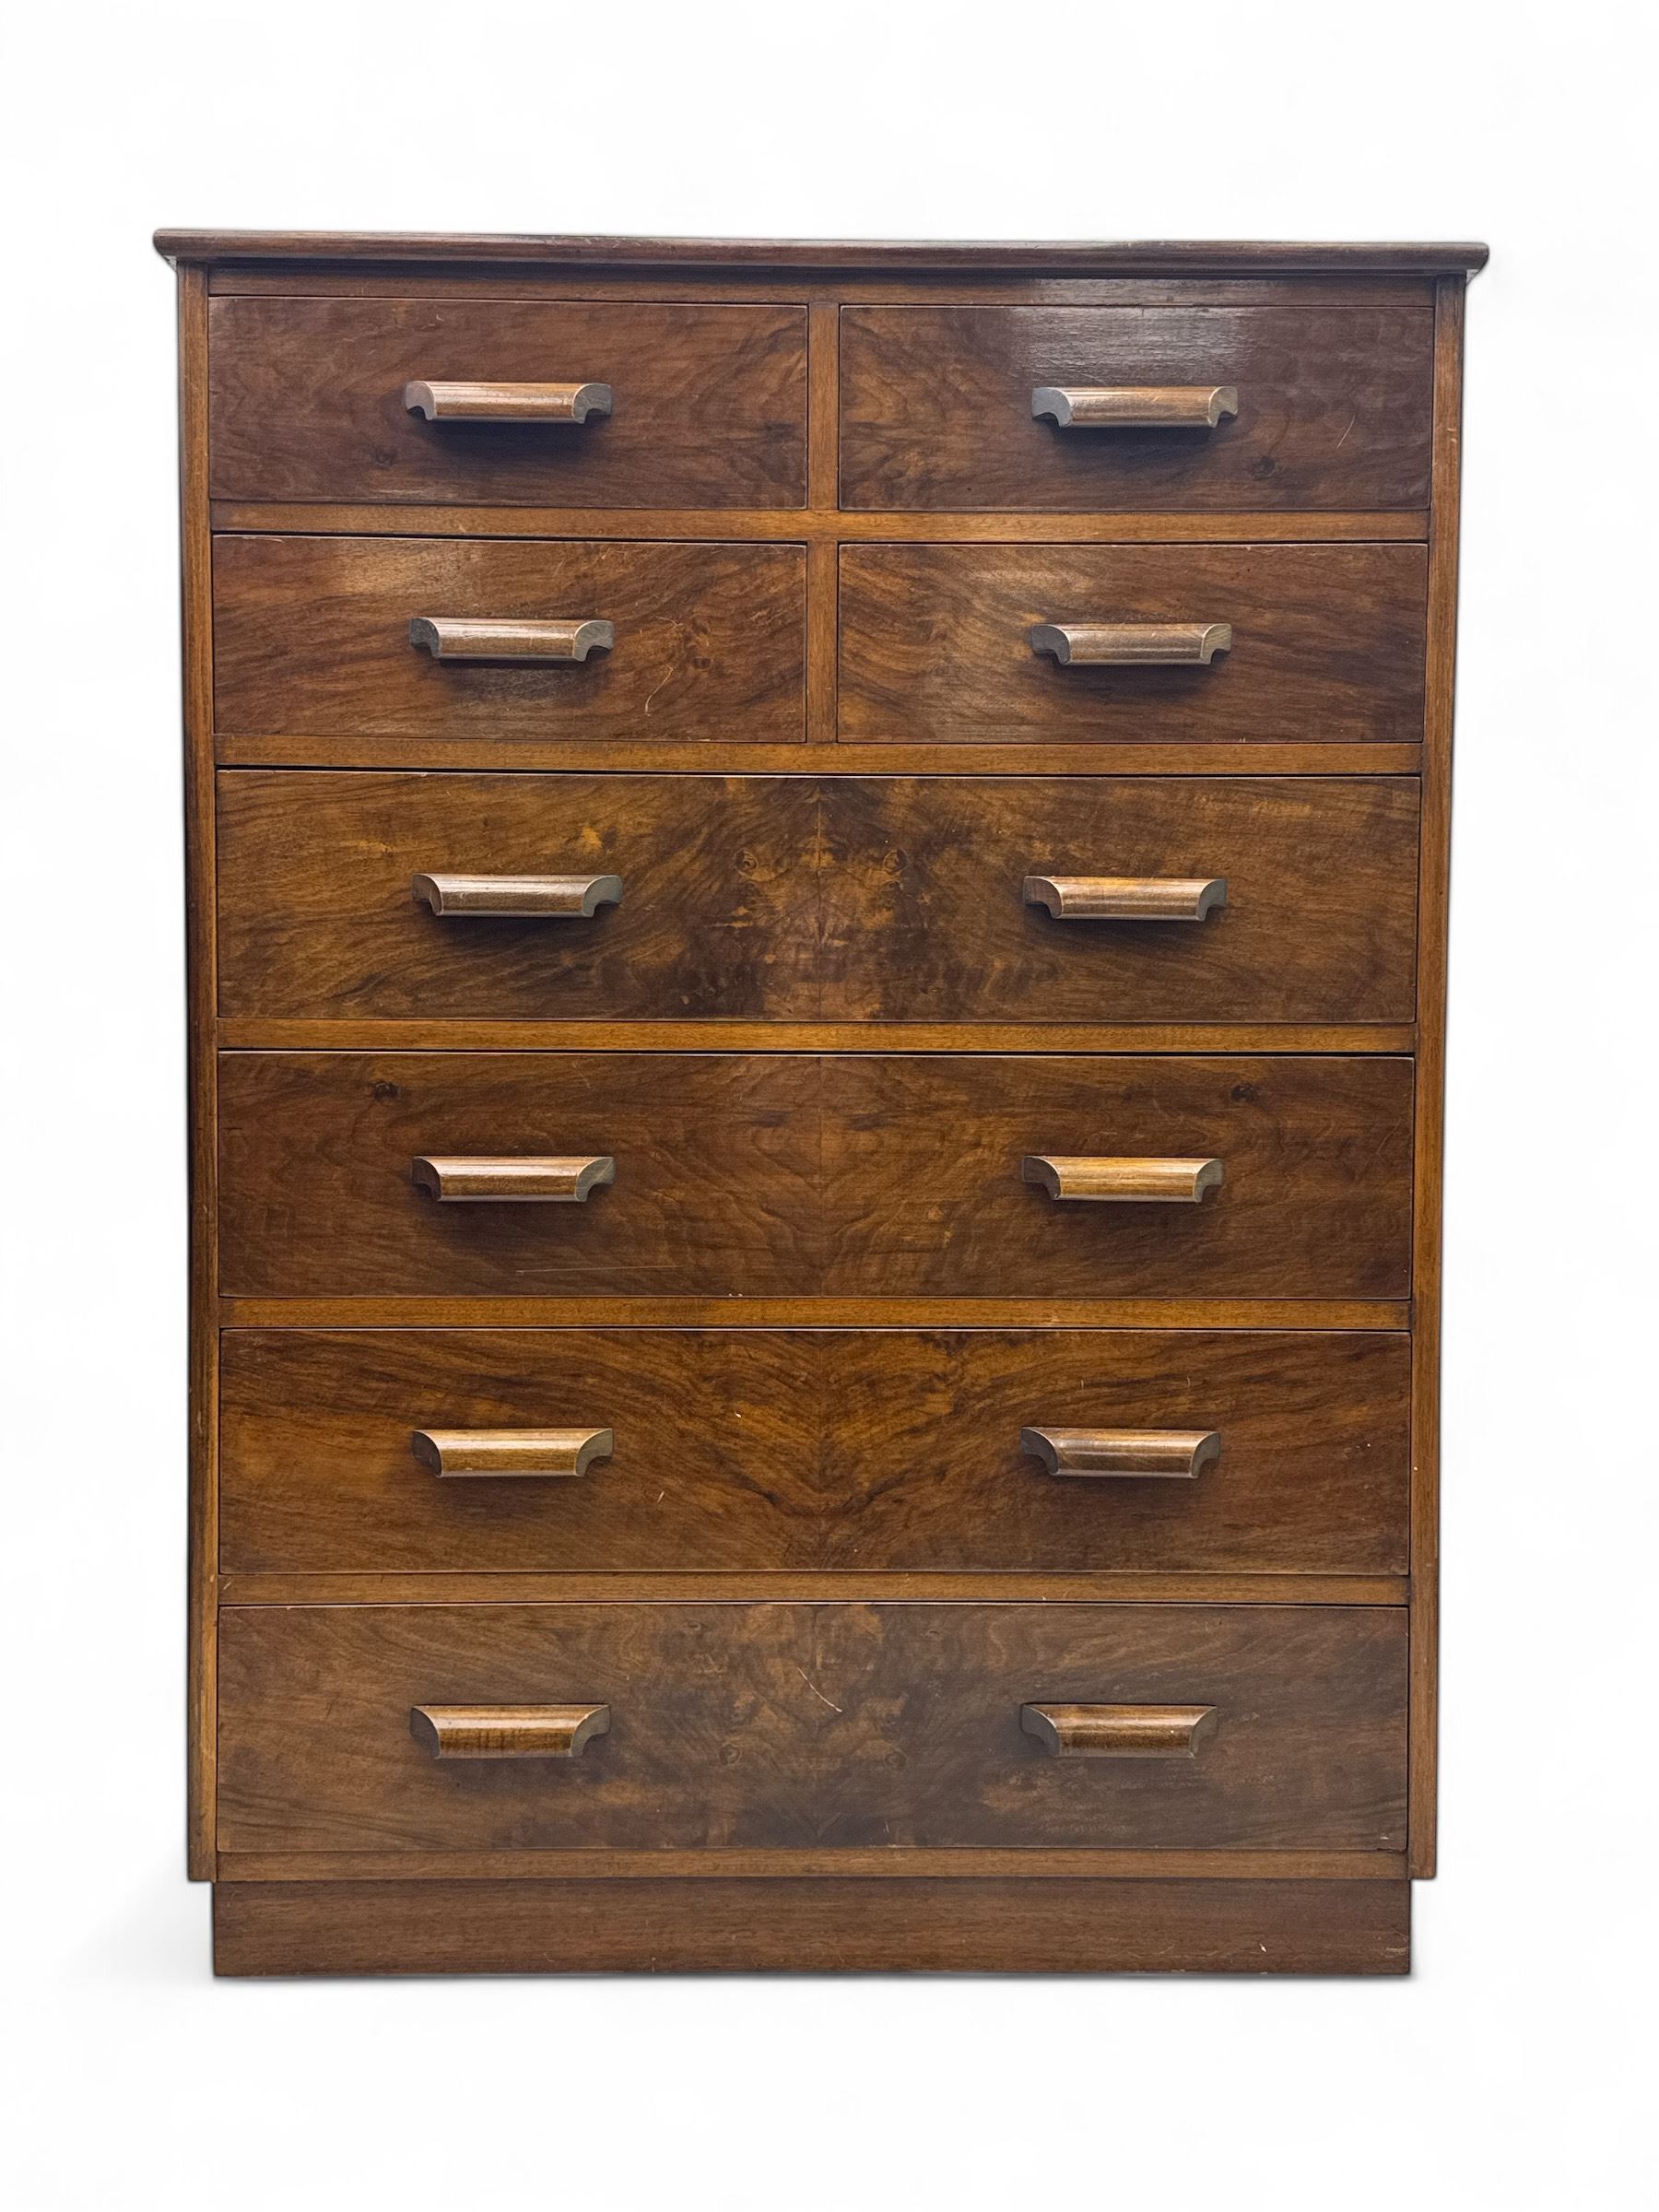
1509 2072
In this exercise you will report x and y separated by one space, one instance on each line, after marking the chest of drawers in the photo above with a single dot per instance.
818 924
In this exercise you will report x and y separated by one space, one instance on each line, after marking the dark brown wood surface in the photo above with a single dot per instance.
812 1726
791 899
709 406
813 1450
886 1176
312 637
1333 407
821 1926
1327 643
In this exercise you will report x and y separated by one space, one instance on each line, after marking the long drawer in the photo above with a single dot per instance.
1325 643
1321 408
312 638
792 1725
705 404
388 1451
866 1175
791 898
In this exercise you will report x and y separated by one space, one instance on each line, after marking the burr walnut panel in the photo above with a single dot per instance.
312 638
813 1450
1327 645
707 405
801 1726
863 1176
1330 407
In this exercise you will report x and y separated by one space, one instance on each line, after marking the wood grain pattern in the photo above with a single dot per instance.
312 638
1327 644
709 406
813 1926
1333 407
884 1176
878 900
816 1450
814 1726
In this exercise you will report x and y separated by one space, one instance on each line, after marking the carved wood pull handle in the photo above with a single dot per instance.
1135 406
1137 1453
553 897
1133 644
450 639
1147 1181
1119 1731
1126 898
491 1452
525 1182
507 1731
506 402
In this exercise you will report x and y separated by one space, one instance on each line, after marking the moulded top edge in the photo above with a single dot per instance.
1063 257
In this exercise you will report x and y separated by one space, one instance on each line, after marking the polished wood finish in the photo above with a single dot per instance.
448 640
1124 1181
489 1455
834 900
1135 406
821 1401
506 402
1124 1455
818 1450
823 1925
515 1179
308 403
781 1175
1327 643
1333 406
498 1731
1119 1731
312 637
1133 644
813 1727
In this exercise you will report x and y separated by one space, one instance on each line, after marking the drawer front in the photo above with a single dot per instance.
1333 407
708 404
863 900
802 1451
318 916
311 638
863 1176
1327 643
929 917
811 1725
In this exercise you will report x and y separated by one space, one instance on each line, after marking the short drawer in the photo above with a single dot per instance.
782 1726
701 405
1325 643
1028 900
873 1176
312 638
1273 408
764 1451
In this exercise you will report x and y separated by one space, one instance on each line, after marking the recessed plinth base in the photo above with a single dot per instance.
961 1926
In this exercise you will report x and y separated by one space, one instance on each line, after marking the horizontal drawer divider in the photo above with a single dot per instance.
692 1312
867 1864
717 757
262 1033
842 1587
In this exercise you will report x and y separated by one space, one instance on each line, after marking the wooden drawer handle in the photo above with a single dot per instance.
1135 406
1139 1454
1126 898
506 402
1148 1182
553 897
525 1182
1133 644
450 638
491 1453
1119 1731
507 1731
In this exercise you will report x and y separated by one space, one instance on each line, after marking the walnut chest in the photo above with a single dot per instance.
817 919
